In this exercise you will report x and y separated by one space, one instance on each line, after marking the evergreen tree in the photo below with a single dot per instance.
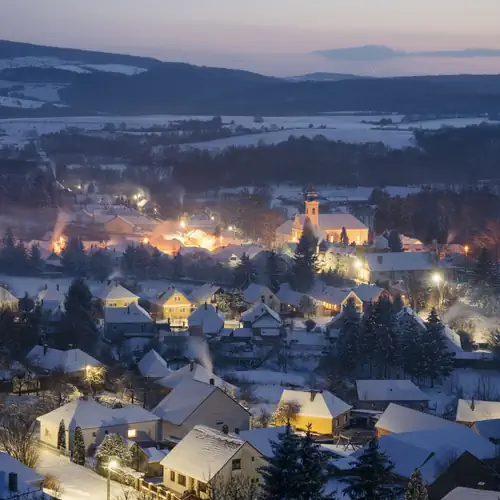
100 266
484 267
416 489
348 344
78 451
274 274
244 273
26 303
344 239
178 266
394 242
35 258
136 260
371 478
305 264
385 335
111 447
282 475
74 258
61 436
409 351
436 359
368 338
397 304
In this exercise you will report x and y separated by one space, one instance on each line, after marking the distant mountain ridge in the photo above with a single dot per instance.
51 81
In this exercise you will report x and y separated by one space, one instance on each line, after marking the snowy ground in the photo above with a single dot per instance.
78 483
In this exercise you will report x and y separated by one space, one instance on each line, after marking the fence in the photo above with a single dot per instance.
155 491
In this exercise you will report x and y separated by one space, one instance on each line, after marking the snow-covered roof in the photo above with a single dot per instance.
389 390
398 419
50 297
258 311
116 291
133 313
24 473
207 317
461 493
203 293
179 404
408 311
155 455
335 222
6 296
368 293
203 453
164 296
262 438
140 221
153 365
322 404
255 292
489 429
71 361
401 261
290 297
197 372
330 294
475 411
92 415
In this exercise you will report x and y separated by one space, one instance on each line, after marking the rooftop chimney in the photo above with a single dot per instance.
191 365
206 306
380 259
237 431
313 395
45 349
472 404
57 287
212 381
13 482
225 429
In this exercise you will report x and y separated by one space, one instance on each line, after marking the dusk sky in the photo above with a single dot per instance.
269 36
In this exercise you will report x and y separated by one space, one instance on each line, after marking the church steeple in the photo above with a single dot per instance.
312 206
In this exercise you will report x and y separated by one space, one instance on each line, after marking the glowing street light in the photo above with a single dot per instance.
466 250
358 264
112 464
437 278
230 228
183 224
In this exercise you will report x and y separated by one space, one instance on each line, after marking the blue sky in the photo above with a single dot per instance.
269 36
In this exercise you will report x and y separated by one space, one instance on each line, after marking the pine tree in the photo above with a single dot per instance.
100 266
282 475
394 242
78 451
385 335
274 275
348 345
74 258
244 273
305 264
368 338
61 436
344 239
35 258
397 304
409 353
178 266
113 446
371 478
416 489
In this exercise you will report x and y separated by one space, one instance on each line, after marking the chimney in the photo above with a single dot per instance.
313 395
212 381
57 287
191 365
128 309
46 286
472 404
237 431
206 306
13 482
225 429
45 349
263 299
380 259
109 282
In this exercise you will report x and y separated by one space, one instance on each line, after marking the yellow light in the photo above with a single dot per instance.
212 218
145 240
357 264
230 228
131 433
183 224
466 248
112 464
437 278
136 196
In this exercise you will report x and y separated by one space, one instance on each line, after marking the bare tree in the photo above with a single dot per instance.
287 412
53 485
236 487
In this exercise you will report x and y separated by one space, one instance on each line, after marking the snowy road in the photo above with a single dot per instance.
78 483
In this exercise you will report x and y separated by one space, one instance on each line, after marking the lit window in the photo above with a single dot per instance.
132 433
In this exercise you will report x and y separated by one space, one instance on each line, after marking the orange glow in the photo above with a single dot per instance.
466 249
59 245
145 240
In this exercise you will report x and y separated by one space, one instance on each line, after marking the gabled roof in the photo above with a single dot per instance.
389 390
475 411
401 261
258 311
91 415
255 292
133 313
262 438
155 455
24 473
330 294
368 293
334 222
407 311
163 297
461 493
6 296
50 297
489 429
116 291
71 361
153 365
203 453
206 317
290 297
203 293
398 419
323 405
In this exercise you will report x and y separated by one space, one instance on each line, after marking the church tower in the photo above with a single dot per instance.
312 206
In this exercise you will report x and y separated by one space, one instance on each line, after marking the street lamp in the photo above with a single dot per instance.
438 279
466 250
112 464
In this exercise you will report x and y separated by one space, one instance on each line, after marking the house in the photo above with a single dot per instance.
323 411
462 493
50 298
206 320
331 300
378 394
207 457
292 301
130 224
8 301
194 403
263 320
152 365
97 421
130 321
370 293
407 318
172 305
259 293
262 438
472 411
146 458
197 372
396 266
205 293
397 419
73 362
18 480
328 227
115 295
489 429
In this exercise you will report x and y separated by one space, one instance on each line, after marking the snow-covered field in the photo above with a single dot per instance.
78 483
15 102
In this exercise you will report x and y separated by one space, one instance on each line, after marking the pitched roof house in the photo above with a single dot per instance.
18 480
378 394
325 412
262 318
152 365
471 411
130 321
262 294
206 320
193 403
115 295
8 301
462 493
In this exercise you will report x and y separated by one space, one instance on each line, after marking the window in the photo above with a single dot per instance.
236 464
314 211
181 479
337 422
253 459
172 476
183 309
47 432
106 433
202 487
131 433
191 483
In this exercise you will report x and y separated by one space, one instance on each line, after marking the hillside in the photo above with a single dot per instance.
50 81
